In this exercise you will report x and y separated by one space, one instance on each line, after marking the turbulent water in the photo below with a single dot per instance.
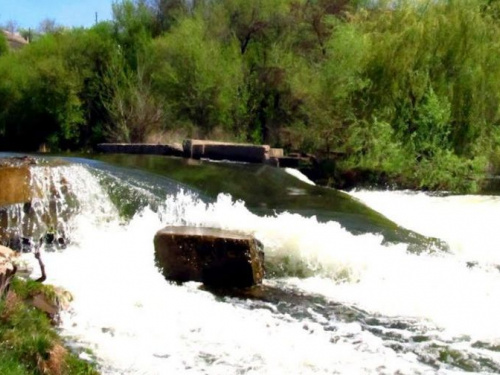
334 302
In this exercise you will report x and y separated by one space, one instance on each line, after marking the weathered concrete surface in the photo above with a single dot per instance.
14 185
14 189
141 148
215 257
196 148
276 153
15 179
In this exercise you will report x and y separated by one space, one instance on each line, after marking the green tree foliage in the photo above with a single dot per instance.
166 13
329 88
53 90
39 98
134 113
261 30
197 77
4 46
92 55
133 27
406 89
434 77
29 344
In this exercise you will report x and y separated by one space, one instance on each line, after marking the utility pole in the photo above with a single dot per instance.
96 18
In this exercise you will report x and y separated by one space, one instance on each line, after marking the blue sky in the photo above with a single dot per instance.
29 13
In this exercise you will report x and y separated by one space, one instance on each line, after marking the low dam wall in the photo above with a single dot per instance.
206 149
197 149
141 148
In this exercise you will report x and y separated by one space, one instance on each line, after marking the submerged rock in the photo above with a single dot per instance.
215 257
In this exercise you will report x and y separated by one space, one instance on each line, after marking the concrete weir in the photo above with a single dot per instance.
141 148
206 149
197 149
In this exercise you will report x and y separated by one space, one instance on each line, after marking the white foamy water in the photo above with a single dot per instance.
60 195
467 222
358 270
299 175
137 323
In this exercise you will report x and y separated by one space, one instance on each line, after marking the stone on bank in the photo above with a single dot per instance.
215 257
7 268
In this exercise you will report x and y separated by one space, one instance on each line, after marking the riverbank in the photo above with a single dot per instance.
29 340
29 310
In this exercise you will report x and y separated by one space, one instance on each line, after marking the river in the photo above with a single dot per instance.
346 291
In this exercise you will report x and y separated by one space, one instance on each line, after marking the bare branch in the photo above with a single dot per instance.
38 256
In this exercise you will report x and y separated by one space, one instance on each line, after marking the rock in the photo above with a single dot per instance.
42 303
215 257
59 300
7 268
7 253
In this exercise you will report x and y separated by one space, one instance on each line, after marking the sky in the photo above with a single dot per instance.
71 13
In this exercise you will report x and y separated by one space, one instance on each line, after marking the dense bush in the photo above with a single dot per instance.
4 47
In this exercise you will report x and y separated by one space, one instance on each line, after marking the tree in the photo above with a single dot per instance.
167 13
198 77
134 112
4 46
28 34
49 26
328 90
90 55
133 29
39 98
11 26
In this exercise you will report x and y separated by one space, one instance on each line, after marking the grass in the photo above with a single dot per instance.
29 344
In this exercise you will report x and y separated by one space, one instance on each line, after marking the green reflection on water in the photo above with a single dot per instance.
267 190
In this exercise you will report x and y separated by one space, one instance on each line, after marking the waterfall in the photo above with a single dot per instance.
59 195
